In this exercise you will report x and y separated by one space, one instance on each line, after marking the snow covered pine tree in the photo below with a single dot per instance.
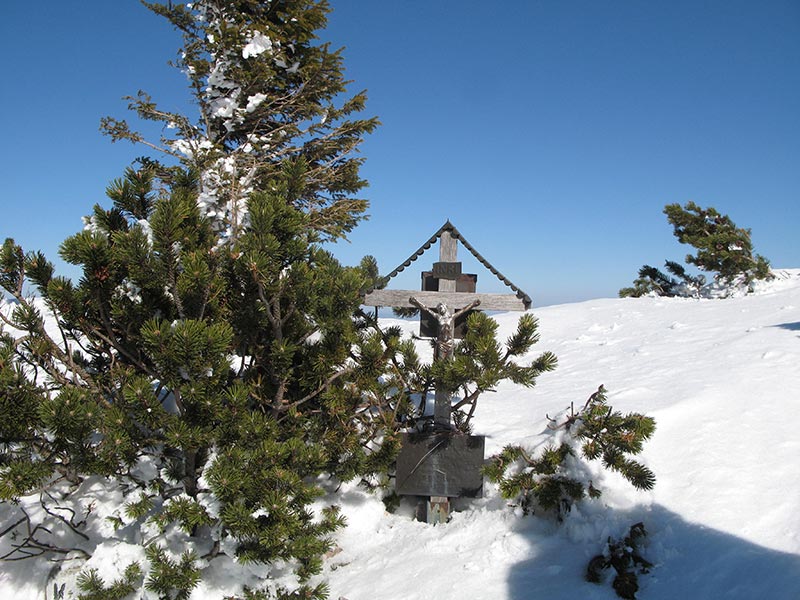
208 366
722 248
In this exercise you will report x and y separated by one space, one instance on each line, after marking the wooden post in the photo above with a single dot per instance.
448 253
437 510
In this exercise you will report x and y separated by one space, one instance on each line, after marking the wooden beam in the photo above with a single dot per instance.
455 300
448 247
448 253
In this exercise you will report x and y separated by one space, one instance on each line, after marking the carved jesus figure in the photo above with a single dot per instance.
447 324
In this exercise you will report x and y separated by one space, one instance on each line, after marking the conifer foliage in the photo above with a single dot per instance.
553 479
655 282
210 385
480 362
625 556
210 365
268 95
722 248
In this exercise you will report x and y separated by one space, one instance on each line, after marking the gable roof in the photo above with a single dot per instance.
455 233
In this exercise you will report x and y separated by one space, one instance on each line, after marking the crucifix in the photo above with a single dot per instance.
446 320
442 463
442 303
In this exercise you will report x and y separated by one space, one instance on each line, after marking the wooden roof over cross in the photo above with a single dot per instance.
519 300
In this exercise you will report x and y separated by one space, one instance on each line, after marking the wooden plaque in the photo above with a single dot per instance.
447 270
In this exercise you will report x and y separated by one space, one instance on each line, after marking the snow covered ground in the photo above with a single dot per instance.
722 380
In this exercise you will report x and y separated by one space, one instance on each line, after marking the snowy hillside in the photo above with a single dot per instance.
722 380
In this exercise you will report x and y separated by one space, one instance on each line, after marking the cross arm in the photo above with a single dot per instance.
401 299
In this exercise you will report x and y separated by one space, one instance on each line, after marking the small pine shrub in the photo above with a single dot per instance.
548 480
651 281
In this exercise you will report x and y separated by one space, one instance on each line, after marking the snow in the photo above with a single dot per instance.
721 378
224 107
258 44
254 101
129 290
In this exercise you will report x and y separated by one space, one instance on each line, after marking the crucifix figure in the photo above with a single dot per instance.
447 324
444 351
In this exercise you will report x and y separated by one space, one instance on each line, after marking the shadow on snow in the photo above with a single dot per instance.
691 562
789 326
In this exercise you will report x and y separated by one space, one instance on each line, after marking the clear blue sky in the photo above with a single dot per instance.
551 133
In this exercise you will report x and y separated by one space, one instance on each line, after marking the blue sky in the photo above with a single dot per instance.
550 133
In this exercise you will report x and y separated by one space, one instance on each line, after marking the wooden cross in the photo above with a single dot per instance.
438 464
445 306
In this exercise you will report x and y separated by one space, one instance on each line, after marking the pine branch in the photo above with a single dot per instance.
31 547
112 341
68 522
48 363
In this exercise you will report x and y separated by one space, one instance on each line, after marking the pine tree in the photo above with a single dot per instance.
211 362
239 374
722 247
268 96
